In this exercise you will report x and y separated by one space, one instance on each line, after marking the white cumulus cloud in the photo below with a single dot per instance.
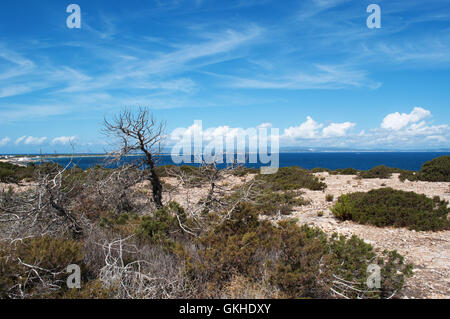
308 129
397 121
337 129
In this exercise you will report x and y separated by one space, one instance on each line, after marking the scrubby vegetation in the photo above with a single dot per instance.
19 264
389 207
436 170
10 173
126 249
291 178
289 261
339 171
380 171
279 193
345 171
272 203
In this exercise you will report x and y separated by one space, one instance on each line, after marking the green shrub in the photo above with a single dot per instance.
380 171
351 258
10 173
51 254
243 171
408 175
343 208
271 203
320 170
291 178
90 290
389 207
329 197
303 267
345 171
157 227
239 245
436 170
163 227
300 262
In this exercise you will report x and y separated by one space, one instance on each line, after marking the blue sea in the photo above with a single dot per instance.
331 160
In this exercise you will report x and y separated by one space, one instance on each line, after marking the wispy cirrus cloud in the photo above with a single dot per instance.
20 112
16 64
322 77
14 90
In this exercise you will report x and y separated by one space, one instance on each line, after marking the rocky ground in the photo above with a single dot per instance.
429 252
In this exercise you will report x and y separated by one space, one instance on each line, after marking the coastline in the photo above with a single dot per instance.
411 161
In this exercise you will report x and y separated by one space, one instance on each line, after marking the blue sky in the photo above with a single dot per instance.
311 68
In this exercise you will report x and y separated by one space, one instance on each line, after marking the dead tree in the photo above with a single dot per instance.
139 132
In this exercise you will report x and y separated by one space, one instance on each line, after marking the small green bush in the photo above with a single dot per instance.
300 261
436 170
270 203
389 207
163 227
10 173
303 267
243 171
380 171
320 170
408 175
51 254
329 197
351 258
291 178
345 171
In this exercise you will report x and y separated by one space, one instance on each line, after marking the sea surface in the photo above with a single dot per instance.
331 160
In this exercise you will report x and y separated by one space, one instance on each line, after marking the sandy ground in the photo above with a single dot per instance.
188 197
428 251
21 187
